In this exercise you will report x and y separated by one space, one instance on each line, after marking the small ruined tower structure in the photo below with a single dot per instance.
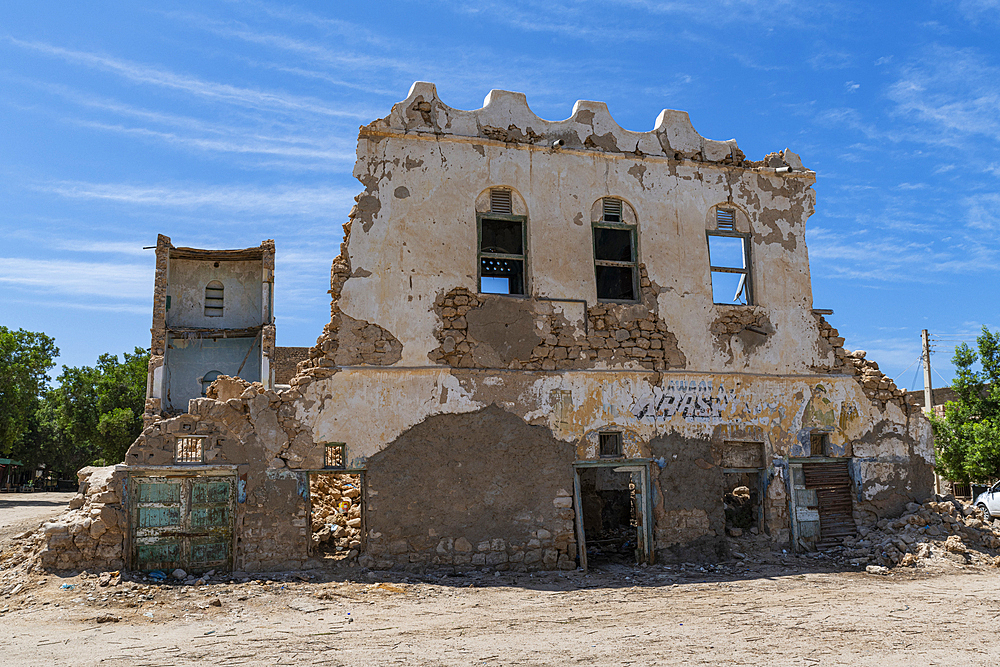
212 315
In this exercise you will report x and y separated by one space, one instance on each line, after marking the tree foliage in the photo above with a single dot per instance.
967 439
25 359
101 407
90 415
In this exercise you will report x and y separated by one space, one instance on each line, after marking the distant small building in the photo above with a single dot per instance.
212 315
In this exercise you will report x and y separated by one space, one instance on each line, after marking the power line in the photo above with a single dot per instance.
917 360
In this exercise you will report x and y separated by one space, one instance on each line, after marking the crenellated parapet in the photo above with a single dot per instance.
506 117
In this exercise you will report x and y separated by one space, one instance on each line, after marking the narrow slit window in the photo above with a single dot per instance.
214 299
333 456
502 242
611 444
729 257
189 449
615 255
819 444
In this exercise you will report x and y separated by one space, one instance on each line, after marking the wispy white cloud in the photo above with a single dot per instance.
954 92
209 90
980 11
272 201
114 281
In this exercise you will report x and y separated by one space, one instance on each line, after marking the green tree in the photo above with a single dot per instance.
967 439
25 359
100 408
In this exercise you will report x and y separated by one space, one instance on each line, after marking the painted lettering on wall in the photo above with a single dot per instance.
695 401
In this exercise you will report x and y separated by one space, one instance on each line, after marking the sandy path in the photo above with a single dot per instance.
23 511
914 617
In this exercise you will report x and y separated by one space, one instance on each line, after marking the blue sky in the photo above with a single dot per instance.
224 123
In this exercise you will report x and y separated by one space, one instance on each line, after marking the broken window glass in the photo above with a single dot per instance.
730 265
501 255
614 255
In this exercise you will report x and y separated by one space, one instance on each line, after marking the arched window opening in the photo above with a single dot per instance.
502 243
214 293
615 256
207 381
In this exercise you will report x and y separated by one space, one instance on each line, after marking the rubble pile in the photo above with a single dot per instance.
91 533
336 513
940 527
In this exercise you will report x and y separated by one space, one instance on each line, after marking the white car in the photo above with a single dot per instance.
989 502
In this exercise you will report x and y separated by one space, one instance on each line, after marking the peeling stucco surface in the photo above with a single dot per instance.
413 349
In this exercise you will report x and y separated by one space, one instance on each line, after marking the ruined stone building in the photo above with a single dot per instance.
551 343
212 316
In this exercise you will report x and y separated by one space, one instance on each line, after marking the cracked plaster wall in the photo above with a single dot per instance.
411 240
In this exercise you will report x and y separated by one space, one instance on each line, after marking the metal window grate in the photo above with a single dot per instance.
501 202
612 210
611 444
725 220
333 455
189 449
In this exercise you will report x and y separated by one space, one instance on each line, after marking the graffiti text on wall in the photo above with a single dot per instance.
696 401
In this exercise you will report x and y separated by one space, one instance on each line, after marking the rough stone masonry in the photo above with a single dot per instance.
516 301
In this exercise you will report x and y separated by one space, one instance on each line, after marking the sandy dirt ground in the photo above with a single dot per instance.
768 609
23 511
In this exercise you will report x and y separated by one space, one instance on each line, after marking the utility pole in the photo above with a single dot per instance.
929 393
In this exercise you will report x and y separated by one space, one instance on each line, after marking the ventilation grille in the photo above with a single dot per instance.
500 202
725 220
189 449
612 210
333 456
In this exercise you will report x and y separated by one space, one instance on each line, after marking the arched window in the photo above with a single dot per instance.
502 243
213 299
615 256
208 380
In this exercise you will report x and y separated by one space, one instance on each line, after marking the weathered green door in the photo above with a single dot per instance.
158 512
184 522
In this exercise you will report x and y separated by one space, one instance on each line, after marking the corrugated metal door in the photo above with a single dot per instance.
184 522
832 482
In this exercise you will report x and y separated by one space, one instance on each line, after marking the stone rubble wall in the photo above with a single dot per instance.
336 513
255 431
544 550
877 386
616 334
91 534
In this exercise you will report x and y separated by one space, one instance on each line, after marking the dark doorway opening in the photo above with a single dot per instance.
610 515
742 499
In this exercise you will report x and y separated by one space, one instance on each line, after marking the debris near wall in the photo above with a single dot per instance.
90 535
615 334
876 385
336 514
940 527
